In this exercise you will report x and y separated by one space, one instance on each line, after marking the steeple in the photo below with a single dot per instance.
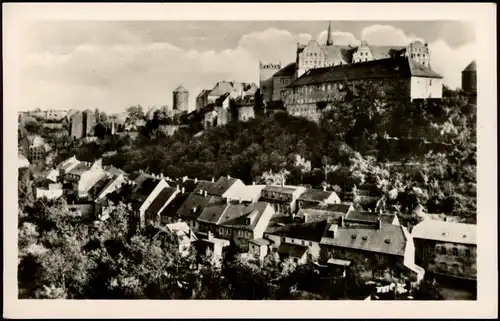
329 40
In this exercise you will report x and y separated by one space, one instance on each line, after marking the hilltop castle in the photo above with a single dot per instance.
274 78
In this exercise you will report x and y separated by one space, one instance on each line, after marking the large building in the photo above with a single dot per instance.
180 97
469 79
446 248
322 88
314 55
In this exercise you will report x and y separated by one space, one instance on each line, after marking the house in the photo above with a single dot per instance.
212 245
281 79
67 166
164 197
259 248
192 207
239 223
83 176
146 188
202 99
326 210
221 88
446 248
185 237
245 106
225 186
114 183
323 88
381 247
313 197
282 198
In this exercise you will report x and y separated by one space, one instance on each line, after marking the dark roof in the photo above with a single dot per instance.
369 217
311 231
202 186
211 214
375 69
280 189
315 214
188 184
315 195
235 215
222 185
221 99
293 250
197 202
260 241
171 209
204 92
104 182
160 200
287 71
389 239
471 66
145 186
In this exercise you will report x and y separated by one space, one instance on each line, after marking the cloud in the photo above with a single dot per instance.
384 35
339 38
449 62
112 76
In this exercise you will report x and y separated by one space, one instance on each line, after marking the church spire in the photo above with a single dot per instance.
329 40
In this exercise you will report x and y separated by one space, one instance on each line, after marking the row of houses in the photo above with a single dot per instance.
289 221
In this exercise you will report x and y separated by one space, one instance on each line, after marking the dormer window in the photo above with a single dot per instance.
248 221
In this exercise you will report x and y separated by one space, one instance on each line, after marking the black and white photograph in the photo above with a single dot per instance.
250 158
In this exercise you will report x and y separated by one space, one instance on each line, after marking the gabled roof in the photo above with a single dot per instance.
310 231
287 71
202 186
197 203
337 53
203 93
318 214
180 89
221 88
471 66
280 189
375 69
315 195
222 185
389 239
212 214
235 215
182 231
161 199
445 231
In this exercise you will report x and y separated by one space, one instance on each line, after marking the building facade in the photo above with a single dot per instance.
266 72
446 248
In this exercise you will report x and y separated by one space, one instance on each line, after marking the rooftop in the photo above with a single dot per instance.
293 250
287 71
180 89
194 204
280 189
315 195
389 239
471 66
182 231
260 241
160 200
236 215
445 231
375 69
370 217
79 169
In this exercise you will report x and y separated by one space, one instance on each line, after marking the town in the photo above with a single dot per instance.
328 230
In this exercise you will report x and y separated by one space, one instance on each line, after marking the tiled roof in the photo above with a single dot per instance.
293 250
375 69
287 71
202 186
212 214
471 66
389 239
182 231
221 186
310 231
317 214
315 195
445 231
336 53
198 203
102 184
160 200
235 215
171 209
113 170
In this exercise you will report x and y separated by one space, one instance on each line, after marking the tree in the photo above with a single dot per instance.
135 113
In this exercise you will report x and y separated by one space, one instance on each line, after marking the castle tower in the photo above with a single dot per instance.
419 52
266 79
180 97
329 41
469 79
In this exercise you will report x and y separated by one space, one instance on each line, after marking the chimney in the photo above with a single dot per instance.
378 224
161 175
195 180
228 177
177 187
253 183
228 200
182 190
213 180
204 193
210 235
324 188
305 217
184 178
341 221
282 183
201 192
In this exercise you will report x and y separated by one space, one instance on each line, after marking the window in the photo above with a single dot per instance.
283 240
467 253
443 250
443 266
310 243
240 233
303 242
430 82
454 251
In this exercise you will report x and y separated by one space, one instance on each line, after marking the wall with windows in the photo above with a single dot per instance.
452 259
313 252
362 54
279 83
422 87
312 56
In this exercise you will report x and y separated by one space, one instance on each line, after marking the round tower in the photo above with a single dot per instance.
180 96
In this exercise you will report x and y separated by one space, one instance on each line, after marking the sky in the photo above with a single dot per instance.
111 65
